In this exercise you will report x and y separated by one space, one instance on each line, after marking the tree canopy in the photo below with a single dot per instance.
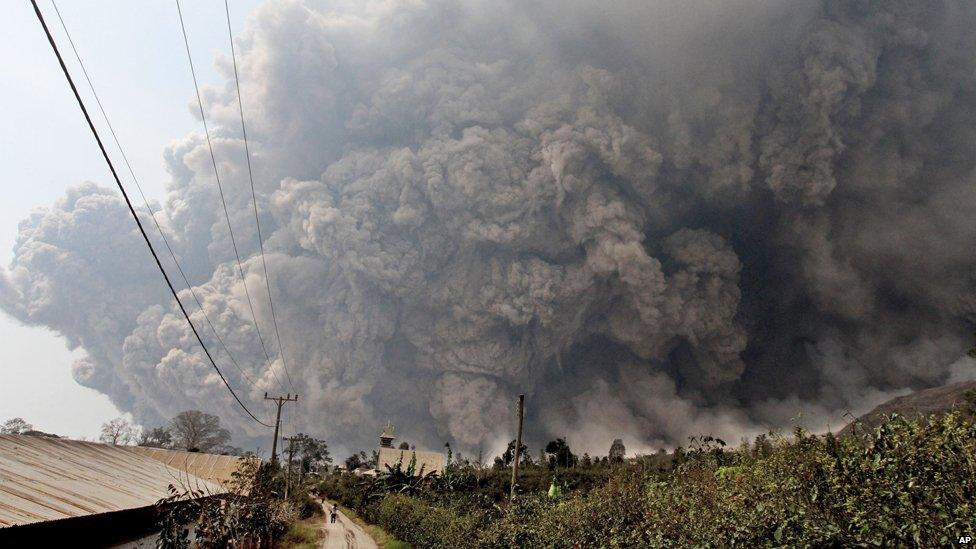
311 454
509 454
157 437
559 453
117 431
15 426
198 431
617 451
356 461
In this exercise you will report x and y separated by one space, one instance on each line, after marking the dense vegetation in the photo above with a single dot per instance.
905 483
263 506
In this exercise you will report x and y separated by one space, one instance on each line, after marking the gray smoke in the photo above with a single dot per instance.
655 219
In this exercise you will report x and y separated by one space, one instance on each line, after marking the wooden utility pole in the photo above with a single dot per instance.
279 400
291 457
518 444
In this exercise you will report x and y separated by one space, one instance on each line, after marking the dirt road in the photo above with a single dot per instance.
344 533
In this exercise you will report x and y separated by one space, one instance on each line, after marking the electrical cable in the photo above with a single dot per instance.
135 216
145 201
223 202
254 199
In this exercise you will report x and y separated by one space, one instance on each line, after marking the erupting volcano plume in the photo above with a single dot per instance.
656 219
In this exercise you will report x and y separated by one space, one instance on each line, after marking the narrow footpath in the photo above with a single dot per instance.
344 534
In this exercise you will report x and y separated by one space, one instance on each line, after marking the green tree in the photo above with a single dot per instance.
617 451
509 455
559 453
356 461
311 454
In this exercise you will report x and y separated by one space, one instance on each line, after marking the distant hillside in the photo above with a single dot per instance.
920 403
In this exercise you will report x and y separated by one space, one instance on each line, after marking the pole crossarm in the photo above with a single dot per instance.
280 401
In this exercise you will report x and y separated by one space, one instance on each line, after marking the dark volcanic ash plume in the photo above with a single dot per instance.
657 219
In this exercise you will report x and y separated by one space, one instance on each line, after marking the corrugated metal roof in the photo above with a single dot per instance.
45 478
212 467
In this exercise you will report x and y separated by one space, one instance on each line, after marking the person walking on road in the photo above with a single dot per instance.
333 513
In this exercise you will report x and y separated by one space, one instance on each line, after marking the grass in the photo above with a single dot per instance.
383 539
303 534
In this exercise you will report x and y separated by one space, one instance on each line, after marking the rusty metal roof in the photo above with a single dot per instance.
45 478
214 468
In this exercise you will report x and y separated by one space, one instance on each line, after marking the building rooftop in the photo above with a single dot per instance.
45 479
211 467
426 461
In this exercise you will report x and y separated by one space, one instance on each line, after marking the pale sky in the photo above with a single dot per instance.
135 55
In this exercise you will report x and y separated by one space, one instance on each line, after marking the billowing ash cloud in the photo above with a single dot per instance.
655 219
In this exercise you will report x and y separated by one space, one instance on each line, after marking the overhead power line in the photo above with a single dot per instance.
254 199
135 216
223 202
145 200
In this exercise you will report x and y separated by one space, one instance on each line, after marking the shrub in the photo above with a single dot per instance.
421 524
907 483
253 512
